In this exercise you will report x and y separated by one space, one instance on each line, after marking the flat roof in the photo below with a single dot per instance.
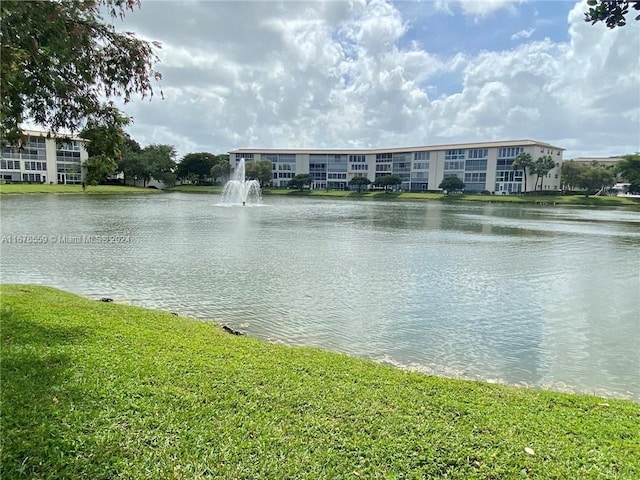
504 143
40 133
597 159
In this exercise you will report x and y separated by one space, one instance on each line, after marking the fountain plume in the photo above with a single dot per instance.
241 191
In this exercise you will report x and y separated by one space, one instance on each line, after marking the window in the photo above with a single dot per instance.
509 152
35 165
68 146
504 164
421 165
67 156
509 176
475 165
31 177
384 157
287 157
457 165
421 156
318 171
477 153
475 177
337 163
317 167
358 166
357 159
10 164
277 157
383 168
455 154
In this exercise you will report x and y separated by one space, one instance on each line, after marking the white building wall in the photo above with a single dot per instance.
437 159
25 154
52 174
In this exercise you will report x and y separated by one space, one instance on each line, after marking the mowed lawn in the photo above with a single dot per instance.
105 391
25 188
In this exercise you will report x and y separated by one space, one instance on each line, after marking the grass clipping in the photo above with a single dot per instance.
100 390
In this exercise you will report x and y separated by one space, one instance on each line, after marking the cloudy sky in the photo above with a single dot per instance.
338 74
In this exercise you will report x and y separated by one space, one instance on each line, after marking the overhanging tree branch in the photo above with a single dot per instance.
60 63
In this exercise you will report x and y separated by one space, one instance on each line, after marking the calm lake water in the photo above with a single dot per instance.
542 296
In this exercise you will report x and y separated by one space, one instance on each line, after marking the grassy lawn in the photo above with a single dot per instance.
103 391
370 195
197 188
21 188
521 199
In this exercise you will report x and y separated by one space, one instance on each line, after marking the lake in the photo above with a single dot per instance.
540 296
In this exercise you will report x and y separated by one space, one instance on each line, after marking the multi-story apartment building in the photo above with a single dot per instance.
44 159
482 166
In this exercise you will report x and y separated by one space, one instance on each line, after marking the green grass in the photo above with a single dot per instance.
22 188
520 199
100 390
603 201
197 188
370 195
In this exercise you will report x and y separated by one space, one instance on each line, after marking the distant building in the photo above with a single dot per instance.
481 166
43 159
623 184
607 161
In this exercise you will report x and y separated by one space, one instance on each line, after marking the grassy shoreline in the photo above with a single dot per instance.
102 390
574 200
600 201
42 188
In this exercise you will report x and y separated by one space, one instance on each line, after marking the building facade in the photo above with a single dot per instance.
485 166
43 159
606 161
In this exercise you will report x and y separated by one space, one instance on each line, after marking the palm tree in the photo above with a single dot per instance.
522 162
542 166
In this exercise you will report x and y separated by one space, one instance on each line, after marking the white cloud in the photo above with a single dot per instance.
523 34
477 8
339 74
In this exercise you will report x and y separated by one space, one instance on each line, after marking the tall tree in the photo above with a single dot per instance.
105 141
221 168
158 161
570 173
541 167
60 63
523 162
199 164
612 12
98 168
359 182
106 138
260 170
387 181
129 162
595 177
300 181
451 183
629 170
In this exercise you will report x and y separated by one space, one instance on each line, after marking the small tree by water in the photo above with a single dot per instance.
451 183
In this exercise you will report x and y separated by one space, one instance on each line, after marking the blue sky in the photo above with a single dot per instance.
377 73
452 32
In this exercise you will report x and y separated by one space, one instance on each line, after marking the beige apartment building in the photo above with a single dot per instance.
483 166
43 159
